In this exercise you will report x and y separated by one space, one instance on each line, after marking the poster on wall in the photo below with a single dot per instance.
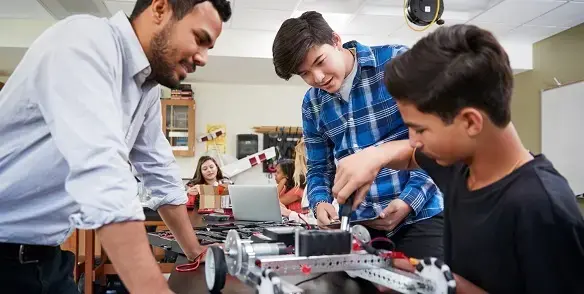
219 144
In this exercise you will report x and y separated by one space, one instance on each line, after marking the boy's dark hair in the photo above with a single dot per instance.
180 8
295 37
453 68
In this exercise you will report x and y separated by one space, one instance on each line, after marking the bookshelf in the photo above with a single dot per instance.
178 121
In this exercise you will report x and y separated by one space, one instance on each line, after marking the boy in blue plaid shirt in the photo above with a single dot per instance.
346 110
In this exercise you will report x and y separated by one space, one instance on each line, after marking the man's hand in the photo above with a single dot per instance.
325 214
177 220
356 173
195 252
391 216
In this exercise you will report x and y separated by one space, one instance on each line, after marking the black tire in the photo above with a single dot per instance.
220 269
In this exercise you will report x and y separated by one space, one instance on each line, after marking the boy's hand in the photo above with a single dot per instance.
325 214
356 173
391 216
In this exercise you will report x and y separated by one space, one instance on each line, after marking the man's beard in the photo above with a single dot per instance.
161 63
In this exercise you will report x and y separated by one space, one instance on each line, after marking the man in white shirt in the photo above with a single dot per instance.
81 112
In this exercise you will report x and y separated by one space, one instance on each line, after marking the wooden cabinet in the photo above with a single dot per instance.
178 125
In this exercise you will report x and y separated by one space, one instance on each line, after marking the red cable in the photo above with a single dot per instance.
189 267
300 216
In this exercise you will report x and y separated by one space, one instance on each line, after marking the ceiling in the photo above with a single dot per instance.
369 21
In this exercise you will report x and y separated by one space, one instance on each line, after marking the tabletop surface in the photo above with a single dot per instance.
194 282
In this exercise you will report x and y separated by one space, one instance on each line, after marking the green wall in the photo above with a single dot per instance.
559 56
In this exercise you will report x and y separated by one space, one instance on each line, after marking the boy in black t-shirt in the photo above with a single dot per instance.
512 224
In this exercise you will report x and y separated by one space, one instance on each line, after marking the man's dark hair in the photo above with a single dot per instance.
453 68
295 37
180 8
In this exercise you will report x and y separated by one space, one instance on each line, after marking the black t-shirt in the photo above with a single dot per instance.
521 234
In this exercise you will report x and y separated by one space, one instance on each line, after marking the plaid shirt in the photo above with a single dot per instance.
335 128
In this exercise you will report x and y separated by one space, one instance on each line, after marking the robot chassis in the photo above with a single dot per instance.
261 265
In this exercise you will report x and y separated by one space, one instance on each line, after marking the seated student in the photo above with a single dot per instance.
207 173
512 224
289 191
299 176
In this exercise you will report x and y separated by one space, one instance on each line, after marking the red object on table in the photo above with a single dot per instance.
190 267
191 201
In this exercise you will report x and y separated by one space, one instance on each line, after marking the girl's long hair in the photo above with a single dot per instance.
300 164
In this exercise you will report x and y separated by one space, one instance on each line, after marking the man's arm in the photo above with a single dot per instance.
356 172
320 160
153 159
75 90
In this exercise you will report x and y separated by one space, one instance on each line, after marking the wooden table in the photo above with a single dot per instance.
338 283
194 282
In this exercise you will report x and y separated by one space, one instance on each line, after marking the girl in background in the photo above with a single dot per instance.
299 176
289 191
207 173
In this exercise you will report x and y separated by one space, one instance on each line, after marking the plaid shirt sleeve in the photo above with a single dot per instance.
320 160
419 189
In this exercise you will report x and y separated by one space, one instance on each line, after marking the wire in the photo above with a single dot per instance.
426 27
311 279
190 267
300 216
383 239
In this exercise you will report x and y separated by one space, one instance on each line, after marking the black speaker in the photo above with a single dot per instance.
247 144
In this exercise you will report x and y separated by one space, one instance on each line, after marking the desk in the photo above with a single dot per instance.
338 283
194 282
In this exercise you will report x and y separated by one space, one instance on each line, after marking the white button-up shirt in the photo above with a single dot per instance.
74 114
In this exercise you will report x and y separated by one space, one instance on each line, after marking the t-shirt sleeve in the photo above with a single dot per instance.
440 174
550 248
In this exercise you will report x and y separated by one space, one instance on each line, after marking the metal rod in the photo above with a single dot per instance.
290 264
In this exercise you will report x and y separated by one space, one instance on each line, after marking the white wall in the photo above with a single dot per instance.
241 107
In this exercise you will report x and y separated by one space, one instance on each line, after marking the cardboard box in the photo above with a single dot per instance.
213 197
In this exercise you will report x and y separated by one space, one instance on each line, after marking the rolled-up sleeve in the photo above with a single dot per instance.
153 159
75 84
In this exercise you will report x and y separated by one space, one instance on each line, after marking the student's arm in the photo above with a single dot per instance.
153 159
320 160
76 93
355 173
550 248
418 190
291 196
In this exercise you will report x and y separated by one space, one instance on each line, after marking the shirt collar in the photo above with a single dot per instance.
134 56
365 56
347 84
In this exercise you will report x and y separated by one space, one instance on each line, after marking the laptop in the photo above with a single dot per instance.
255 203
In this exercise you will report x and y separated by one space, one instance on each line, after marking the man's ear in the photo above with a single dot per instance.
472 120
160 10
